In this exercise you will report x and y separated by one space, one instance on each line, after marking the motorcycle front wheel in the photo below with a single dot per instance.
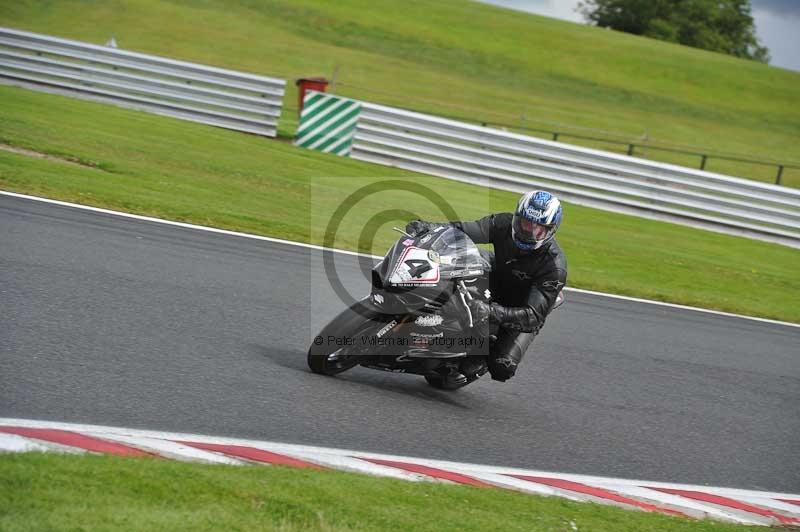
331 353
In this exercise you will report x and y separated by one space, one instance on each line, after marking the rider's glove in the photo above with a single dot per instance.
481 311
417 227
514 318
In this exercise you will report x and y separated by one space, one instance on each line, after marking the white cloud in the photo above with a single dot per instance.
779 7
779 32
563 9
777 23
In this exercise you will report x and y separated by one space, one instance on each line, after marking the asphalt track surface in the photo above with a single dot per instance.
120 322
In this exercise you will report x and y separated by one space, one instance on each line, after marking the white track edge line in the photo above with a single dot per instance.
179 224
464 468
681 307
376 257
16 443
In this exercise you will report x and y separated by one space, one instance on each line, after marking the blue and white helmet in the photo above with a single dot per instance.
536 220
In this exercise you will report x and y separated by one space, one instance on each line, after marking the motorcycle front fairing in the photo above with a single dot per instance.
419 274
417 279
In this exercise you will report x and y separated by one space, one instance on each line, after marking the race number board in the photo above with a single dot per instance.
415 268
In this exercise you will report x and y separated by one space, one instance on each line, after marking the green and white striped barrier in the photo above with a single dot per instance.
328 123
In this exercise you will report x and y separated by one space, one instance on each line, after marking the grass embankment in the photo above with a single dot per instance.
69 492
167 168
469 60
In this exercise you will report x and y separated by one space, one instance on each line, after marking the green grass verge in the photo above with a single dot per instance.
73 492
468 60
178 170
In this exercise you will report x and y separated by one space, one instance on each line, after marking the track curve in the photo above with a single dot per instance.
114 321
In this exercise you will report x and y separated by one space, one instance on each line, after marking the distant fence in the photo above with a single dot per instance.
190 91
631 148
491 157
745 164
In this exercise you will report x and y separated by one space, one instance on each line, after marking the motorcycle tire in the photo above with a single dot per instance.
440 384
352 322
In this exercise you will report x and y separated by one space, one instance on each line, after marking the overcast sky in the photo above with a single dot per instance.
777 23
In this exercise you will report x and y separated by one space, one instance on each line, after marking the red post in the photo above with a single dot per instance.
307 84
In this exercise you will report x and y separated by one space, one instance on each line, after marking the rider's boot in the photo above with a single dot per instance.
473 367
507 352
503 367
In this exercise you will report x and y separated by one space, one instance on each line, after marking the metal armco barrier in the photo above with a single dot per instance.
214 96
510 161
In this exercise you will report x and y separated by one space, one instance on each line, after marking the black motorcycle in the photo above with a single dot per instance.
417 318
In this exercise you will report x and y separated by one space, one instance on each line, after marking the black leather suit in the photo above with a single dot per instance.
524 288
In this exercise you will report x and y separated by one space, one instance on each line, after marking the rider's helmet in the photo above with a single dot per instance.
536 220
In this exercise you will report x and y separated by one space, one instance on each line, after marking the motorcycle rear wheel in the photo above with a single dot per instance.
441 384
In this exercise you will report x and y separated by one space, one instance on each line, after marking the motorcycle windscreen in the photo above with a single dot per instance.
458 256
445 253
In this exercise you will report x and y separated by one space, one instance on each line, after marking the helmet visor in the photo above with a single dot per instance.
530 232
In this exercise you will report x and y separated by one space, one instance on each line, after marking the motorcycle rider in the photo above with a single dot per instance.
528 272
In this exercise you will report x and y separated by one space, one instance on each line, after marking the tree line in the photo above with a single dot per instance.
718 25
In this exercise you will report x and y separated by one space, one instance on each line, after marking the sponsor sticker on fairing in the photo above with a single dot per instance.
388 327
426 335
429 320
